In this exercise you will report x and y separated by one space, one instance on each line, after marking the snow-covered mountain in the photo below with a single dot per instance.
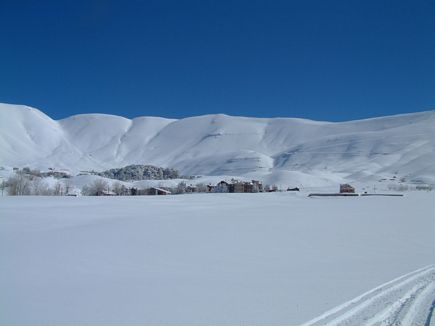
273 149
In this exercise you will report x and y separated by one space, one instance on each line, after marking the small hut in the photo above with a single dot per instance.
346 188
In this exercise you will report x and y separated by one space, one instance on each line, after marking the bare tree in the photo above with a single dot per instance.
181 188
58 189
96 188
40 188
67 186
201 187
3 186
118 188
19 185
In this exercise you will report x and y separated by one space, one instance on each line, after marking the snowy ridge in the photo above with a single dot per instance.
406 300
275 149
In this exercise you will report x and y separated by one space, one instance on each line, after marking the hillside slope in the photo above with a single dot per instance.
273 149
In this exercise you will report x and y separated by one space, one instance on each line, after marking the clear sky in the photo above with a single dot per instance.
325 60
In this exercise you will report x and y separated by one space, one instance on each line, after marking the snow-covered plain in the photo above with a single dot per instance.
215 259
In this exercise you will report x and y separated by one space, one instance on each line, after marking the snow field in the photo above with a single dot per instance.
215 259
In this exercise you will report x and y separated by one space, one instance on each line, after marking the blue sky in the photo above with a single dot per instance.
325 60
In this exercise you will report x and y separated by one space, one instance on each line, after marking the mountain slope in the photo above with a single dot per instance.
223 145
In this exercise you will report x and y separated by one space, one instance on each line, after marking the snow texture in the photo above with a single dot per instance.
216 259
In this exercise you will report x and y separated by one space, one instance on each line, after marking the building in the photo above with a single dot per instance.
190 189
257 186
154 191
73 192
107 193
222 186
237 186
346 189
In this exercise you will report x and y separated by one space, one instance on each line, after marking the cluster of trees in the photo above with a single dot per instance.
140 172
22 184
100 187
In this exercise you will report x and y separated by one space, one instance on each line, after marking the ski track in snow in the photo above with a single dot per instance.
406 300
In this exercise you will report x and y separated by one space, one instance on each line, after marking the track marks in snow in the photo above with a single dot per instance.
405 300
